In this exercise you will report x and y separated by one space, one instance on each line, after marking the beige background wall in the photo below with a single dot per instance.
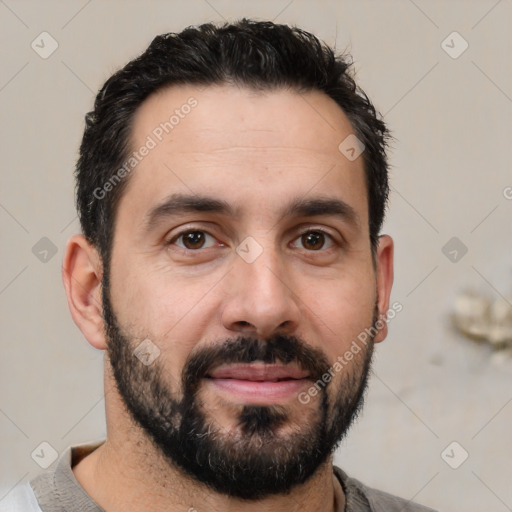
452 118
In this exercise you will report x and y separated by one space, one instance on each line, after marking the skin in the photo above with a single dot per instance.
257 151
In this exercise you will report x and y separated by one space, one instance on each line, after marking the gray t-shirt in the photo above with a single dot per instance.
59 491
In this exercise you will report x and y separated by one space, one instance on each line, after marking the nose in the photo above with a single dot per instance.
261 300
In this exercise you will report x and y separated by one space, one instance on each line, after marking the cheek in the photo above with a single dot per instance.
154 297
339 312
171 311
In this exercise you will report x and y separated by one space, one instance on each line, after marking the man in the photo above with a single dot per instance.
231 188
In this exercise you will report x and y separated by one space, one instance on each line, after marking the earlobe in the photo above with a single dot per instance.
82 271
384 262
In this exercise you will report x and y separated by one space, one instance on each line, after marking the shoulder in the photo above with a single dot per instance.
56 489
20 499
377 501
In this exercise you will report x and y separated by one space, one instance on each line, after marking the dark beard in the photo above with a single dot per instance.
254 461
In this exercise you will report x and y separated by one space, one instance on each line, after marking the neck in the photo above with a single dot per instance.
128 473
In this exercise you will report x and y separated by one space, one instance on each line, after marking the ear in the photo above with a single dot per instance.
384 262
82 271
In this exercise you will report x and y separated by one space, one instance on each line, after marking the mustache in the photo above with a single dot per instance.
243 349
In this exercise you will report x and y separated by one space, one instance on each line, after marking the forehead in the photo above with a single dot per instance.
242 146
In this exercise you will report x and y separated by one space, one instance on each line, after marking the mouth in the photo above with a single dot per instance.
258 383
258 372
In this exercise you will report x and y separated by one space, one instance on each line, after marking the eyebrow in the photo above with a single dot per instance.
177 204
322 206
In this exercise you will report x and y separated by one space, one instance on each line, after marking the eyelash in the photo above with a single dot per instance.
328 236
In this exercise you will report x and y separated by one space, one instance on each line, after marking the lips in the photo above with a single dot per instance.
259 372
258 383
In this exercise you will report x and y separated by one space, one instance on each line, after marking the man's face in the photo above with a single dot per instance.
242 252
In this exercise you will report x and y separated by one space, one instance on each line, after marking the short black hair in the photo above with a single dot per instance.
255 54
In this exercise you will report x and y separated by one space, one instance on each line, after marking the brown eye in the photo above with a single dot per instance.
313 240
194 240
